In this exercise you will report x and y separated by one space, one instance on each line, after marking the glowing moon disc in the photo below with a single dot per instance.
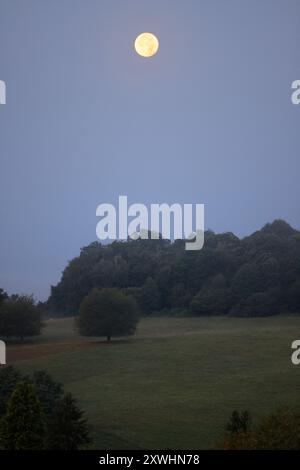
146 44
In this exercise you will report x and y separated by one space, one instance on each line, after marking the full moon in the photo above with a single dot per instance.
146 44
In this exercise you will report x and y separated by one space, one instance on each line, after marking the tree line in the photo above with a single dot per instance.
257 275
103 312
279 430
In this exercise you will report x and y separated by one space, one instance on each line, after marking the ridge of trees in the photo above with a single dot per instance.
255 276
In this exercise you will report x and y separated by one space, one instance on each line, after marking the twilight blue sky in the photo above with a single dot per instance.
207 120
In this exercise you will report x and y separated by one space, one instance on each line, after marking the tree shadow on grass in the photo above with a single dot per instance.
114 341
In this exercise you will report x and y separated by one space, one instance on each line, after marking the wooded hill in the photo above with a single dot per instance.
254 276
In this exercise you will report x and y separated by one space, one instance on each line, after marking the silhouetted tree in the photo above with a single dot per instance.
107 312
67 430
3 296
48 391
239 422
19 317
23 426
9 378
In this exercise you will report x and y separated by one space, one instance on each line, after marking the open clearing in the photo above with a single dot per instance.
174 384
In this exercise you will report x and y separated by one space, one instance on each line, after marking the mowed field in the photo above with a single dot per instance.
175 383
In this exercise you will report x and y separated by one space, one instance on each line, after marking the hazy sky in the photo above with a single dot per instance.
209 120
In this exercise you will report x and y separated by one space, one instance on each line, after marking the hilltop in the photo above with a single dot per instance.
254 276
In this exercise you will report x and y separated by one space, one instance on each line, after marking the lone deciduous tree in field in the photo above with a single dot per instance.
22 427
20 317
107 312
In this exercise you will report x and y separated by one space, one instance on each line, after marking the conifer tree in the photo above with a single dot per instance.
67 430
22 427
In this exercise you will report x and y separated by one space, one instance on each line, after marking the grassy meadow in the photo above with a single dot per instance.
175 383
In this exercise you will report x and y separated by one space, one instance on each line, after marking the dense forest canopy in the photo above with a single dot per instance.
256 275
